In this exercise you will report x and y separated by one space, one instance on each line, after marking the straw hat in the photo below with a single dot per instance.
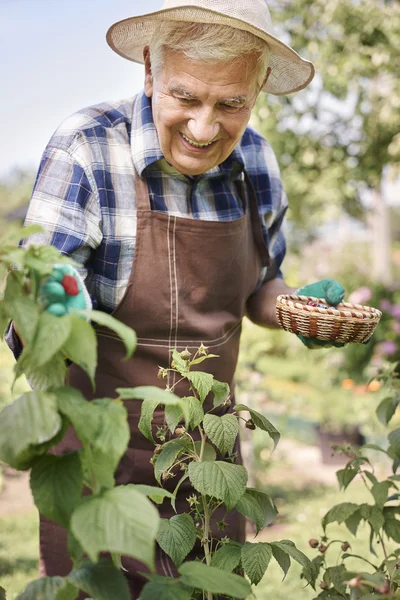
289 72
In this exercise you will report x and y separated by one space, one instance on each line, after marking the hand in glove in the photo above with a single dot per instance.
331 291
64 292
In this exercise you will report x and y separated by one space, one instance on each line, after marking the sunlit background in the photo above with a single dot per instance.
338 145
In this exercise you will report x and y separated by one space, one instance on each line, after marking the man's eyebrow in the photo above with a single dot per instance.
180 91
234 100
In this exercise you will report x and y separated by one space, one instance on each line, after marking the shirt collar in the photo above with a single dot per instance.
146 149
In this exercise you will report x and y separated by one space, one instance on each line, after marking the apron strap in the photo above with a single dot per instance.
142 193
255 219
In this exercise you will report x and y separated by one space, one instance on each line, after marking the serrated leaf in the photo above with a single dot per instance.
222 431
386 410
345 477
227 557
380 492
125 333
81 346
52 333
282 558
200 359
221 393
290 549
394 440
49 588
109 524
196 412
261 422
173 415
373 515
221 480
255 560
169 454
165 588
56 484
14 237
201 383
50 375
149 392
335 576
179 363
98 465
146 418
258 507
371 477
103 580
353 521
177 536
339 513
196 574
391 525
25 314
156 494
209 453
29 421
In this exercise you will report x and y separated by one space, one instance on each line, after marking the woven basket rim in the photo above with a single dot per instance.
346 310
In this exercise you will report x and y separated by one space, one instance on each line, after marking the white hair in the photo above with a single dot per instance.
209 43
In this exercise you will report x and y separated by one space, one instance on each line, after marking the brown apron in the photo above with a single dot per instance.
189 284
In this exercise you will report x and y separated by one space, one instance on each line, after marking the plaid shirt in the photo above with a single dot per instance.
84 194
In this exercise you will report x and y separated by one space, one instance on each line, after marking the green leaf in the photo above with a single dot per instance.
261 422
49 588
127 335
380 492
258 507
282 558
373 515
56 484
177 536
200 359
227 557
200 576
290 549
170 452
345 477
2 593
146 418
25 314
335 576
394 440
98 465
103 580
50 375
81 346
222 431
391 525
13 237
339 513
149 392
196 412
353 521
29 421
173 415
102 422
156 494
255 560
179 363
221 393
201 383
221 480
52 333
209 453
122 520
386 410
165 588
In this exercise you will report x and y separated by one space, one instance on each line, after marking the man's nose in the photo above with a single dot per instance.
203 126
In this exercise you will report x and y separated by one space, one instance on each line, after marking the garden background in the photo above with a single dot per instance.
338 146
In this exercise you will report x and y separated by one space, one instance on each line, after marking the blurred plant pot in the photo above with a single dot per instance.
326 439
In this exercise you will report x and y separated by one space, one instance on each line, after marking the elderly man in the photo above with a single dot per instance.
174 207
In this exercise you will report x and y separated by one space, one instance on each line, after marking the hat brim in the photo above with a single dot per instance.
289 71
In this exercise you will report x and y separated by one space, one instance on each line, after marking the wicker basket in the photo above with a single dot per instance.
346 323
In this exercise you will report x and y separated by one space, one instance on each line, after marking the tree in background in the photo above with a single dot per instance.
337 139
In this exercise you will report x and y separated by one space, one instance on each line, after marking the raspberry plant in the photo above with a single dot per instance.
381 578
123 520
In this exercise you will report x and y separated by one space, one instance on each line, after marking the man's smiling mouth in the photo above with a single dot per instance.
195 144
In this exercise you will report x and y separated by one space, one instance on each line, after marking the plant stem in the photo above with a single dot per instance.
207 552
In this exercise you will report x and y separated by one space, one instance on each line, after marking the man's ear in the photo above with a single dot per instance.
148 79
268 73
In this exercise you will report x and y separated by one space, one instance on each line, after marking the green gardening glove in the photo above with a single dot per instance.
64 292
331 291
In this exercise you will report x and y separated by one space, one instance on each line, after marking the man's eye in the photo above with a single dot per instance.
231 108
185 100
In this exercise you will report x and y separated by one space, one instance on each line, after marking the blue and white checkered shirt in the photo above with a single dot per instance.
84 195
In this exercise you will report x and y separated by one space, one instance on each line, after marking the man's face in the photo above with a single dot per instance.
200 110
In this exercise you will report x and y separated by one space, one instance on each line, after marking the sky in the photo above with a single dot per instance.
55 61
